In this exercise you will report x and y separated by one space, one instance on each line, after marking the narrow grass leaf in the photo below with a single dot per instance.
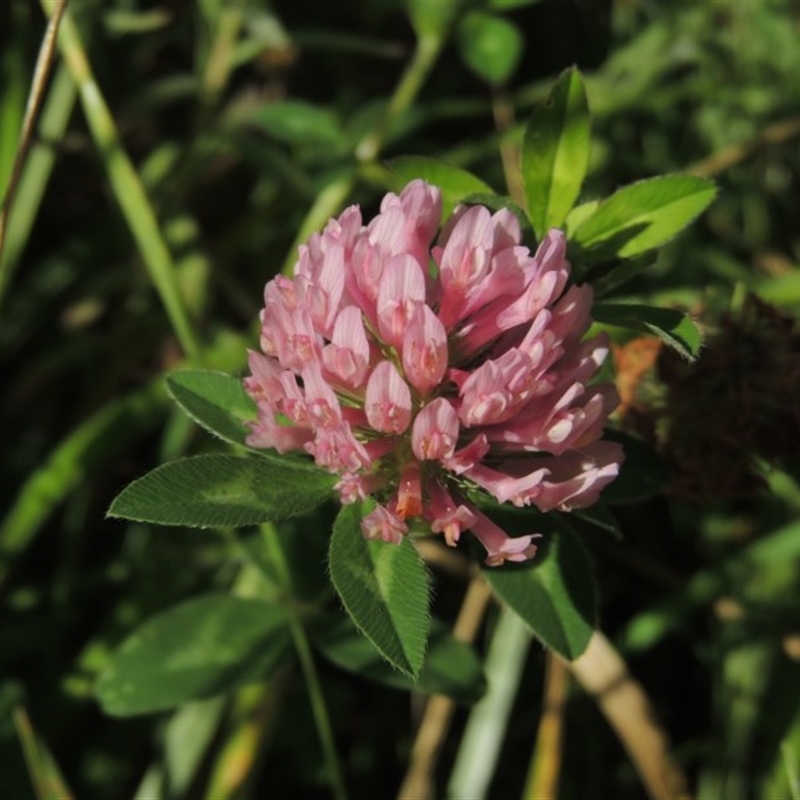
555 153
642 216
554 594
384 588
91 444
223 491
45 775
200 648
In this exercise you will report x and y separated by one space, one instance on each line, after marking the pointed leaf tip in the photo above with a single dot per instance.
384 588
555 153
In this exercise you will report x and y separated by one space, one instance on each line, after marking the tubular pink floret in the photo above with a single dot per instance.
414 383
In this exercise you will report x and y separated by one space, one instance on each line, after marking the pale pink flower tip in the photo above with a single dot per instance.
418 370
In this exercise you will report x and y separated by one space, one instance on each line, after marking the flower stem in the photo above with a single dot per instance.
427 50
305 656
545 768
418 783
604 675
333 196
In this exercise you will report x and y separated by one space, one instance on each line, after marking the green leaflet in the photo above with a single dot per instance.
202 647
450 667
211 491
214 400
641 216
555 153
554 593
384 588
490 46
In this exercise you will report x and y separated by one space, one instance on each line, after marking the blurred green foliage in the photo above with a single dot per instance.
247 123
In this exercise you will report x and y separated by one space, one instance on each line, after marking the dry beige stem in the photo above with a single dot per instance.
418 783
542 783
603 674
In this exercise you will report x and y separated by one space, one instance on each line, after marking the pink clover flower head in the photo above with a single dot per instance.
422 370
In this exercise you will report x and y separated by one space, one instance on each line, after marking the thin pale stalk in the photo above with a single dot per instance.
94 441
44 63
488 721
306 658
775 134
232 770
425 55
418 783
604 675
126 184
221 56
333 196
39 164
47 780
545 770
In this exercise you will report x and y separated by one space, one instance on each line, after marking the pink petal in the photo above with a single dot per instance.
425 350
578 477
268 432
435 431
401 291
467 457
383 525
464 260
347 357
335 448
387 401
499 547
447 516
321 401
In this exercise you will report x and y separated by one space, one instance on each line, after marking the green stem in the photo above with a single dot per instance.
126 184
331 199
302 645
425 54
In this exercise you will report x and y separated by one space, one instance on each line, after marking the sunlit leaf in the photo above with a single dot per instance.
641 216
384 588
555 153
299 122
432 20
